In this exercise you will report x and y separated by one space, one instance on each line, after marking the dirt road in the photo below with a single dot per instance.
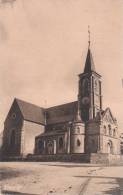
36 178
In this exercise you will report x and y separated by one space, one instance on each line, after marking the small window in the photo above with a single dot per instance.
13 115
78 142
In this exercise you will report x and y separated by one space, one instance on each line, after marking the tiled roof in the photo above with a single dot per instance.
61 113
31 112
56 114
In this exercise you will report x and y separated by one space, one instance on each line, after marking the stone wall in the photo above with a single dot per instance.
29 131
105 158
92 137
13 123
92 158
115 144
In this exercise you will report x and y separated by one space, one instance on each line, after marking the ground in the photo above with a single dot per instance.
55 178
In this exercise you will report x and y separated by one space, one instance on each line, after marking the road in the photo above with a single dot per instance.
55 178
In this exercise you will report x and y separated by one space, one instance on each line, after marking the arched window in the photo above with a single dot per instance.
50 147
105 130
78 142
114 132
78 130
110 131
110 147
12 138
61 143
40 144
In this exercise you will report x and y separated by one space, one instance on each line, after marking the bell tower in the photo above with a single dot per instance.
89 95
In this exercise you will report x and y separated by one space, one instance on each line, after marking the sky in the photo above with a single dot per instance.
43 47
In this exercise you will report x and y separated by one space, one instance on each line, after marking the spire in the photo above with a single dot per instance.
89 64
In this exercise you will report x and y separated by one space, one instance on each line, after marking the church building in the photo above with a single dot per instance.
81 127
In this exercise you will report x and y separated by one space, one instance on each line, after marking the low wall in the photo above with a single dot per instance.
94 158
60 157
99 158
105 158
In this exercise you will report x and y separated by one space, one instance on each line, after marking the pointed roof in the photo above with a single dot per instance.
89 64
31 112
77 118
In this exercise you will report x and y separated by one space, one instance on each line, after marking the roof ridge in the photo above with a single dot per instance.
17 99
61 104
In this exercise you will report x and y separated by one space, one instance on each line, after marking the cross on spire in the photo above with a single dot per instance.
89 64
89 36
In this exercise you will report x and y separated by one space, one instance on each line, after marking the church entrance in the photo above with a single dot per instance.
110 147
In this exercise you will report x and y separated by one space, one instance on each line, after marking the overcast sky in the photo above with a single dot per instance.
43 46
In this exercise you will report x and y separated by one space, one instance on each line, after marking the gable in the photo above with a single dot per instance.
108 117
31 112
14 113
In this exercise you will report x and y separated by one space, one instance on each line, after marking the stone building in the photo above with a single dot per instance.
80 127
23 123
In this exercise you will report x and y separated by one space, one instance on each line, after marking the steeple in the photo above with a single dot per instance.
89 96
89 64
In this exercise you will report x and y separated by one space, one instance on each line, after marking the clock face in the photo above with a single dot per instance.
85 100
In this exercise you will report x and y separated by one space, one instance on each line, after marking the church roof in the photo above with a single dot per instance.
61 113
51 133
56 114
89 64
31 112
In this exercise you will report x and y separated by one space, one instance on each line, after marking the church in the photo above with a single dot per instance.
79 129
